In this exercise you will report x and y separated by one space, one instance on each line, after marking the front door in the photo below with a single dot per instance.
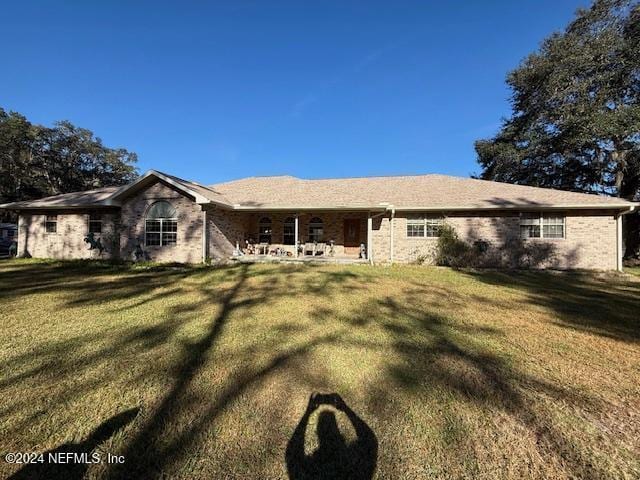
352 238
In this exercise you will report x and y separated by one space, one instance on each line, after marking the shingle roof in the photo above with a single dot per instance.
88 198
403 192
415 192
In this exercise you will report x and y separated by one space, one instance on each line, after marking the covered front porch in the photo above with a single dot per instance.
341 260
320 236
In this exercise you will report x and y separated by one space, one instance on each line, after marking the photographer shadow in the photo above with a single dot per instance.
334 458
77 466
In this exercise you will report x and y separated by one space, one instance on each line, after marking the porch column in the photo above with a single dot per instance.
296 232
391 226
619 247
369 234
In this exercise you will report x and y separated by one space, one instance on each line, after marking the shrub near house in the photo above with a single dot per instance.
513 253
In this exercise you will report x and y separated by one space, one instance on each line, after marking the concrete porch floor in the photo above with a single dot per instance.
341 260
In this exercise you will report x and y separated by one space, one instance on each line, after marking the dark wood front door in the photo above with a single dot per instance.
352 238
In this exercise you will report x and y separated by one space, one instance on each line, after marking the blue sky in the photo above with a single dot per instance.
212 91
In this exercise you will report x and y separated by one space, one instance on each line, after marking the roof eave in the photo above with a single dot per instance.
527 206
18 206
289 208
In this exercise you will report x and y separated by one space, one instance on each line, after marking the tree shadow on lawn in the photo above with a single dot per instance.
442 354
75 458
436 352
58 359
152 459
604 305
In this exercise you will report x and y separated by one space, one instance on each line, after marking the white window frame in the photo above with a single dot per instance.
416 222
292 225
161 232
316 224
162 222
425 222
265 222
100 221
47 221
540 224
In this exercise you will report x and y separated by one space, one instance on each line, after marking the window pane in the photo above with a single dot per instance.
529 231
530 219
152 239
433 230
95 226
161 210
153 226
289 235
553 226
552 220
433 226
169 226
161 231
316 230
169 238
264 234
316 233
169 232
415 229
553 231
289 231
51 223
530 225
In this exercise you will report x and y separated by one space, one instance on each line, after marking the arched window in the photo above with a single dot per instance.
289 231
264 230
161 225
316 230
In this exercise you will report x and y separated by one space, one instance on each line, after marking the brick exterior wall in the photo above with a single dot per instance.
190 219
68 241
589 243
225 228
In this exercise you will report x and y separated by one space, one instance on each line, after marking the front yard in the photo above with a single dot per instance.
206 372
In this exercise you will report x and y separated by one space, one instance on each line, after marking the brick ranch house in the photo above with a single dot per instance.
388 219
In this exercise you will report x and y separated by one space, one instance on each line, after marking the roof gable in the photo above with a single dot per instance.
199 193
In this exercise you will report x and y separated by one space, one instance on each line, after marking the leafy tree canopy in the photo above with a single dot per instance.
575 121
37 161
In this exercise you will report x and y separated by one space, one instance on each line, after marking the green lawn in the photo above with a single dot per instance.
206 372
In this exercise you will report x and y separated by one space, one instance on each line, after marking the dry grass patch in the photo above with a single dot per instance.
458 375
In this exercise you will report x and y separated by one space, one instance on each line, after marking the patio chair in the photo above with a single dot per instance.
262 249
309 247
321 248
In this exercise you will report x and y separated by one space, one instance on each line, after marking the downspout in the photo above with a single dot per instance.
205 232
619 252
